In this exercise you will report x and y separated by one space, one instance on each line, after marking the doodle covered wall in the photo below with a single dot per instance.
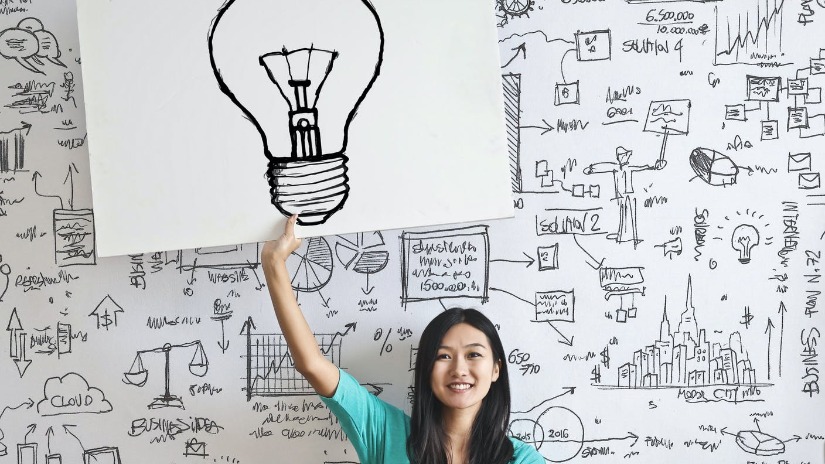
658 291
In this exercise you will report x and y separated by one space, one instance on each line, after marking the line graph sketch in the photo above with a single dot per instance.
270 369
749 32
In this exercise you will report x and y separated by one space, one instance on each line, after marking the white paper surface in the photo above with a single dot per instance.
176 164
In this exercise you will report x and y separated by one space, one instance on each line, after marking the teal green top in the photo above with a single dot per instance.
378 431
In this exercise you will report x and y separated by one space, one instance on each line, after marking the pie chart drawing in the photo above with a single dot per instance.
759 443
310 266
365 255
713 167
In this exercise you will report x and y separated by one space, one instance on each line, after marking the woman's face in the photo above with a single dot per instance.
464 368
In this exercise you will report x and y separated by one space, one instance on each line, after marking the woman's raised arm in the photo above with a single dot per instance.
318 370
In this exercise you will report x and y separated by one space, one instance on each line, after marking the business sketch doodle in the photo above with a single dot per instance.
28 43
658 289
13 148
138 375
270 370
684 357
307 175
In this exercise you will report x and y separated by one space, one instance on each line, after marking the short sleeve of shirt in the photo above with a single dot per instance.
525 454
377 430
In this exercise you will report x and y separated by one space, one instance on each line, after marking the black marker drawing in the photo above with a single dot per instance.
222 313
556 306
74 237
749 32
35 98
624 193
593 45
511 84
671 247
685 357
103 455
5 272
366 254
556 432
105 313
13 148
224 264
622 282
668 117
549 307
193 447
311 267
427 256
270 370
548 257
18 343
342 58
713 167
137 374
758 442
744 236
27 453
68 87
589 46
800 163
28 43
72 394
74 229
511 9
28 404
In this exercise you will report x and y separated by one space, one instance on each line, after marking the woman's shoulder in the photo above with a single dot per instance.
524 453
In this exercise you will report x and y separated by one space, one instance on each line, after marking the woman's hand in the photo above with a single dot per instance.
277 251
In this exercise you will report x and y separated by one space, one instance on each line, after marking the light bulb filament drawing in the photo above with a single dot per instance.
744 238
304 133
138 375
255 44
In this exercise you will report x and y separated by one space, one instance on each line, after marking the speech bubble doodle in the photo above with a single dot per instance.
28 43
19 45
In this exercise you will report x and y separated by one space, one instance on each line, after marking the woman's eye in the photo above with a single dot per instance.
474 355
442 356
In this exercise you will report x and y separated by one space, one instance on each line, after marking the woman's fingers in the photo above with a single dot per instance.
289 230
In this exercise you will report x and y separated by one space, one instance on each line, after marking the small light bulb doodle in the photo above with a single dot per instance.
744 238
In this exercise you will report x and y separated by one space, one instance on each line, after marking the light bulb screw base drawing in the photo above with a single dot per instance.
314 188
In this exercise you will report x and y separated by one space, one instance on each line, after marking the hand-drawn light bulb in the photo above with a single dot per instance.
744 238
298 70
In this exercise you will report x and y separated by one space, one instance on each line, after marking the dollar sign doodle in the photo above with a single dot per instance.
747 317
597 374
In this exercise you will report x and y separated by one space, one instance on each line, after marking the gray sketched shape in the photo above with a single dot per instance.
71 394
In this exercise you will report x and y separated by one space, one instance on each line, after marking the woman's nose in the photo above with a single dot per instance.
459 367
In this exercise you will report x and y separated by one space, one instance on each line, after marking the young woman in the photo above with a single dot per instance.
461 407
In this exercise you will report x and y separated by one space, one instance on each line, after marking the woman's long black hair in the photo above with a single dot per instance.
489 443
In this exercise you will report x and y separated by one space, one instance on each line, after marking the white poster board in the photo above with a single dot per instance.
357 115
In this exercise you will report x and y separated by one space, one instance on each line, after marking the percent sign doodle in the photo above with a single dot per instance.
386 347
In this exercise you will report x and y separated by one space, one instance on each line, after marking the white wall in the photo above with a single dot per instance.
562 290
